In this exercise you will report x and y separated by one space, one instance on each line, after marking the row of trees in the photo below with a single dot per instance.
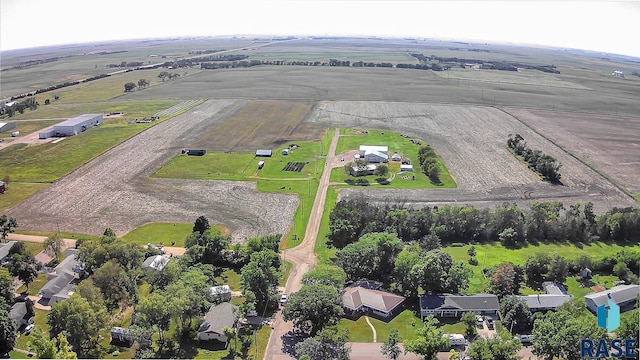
19 107
543 221
545 165
142 83
428 161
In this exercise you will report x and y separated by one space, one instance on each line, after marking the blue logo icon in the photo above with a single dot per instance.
609 316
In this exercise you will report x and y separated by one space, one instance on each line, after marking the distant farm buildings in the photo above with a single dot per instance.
263 153
374 154
6 126
73 126
618 73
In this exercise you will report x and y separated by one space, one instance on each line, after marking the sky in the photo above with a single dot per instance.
608 26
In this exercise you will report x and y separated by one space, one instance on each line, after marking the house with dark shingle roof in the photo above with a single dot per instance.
22 313
217 318
361 300
4 250
544 302
446 305
624 296
57 288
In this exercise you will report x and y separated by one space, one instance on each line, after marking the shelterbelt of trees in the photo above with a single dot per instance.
509 224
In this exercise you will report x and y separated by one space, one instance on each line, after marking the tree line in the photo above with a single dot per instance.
484 64
19 106
512 226
543 164
429 163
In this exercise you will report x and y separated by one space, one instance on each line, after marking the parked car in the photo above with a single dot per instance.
479 320
28 329
526 339
489 321
283 299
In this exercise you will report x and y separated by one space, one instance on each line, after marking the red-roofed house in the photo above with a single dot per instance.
358 300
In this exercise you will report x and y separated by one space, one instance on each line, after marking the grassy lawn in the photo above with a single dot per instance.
18 355
230 277
494 253
46 163
35 286
17 192
27 127
325 254
161 233
360 331
351 139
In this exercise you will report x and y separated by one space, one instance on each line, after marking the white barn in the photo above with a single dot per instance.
73 126
374 154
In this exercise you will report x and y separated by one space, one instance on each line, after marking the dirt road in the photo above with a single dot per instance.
303 256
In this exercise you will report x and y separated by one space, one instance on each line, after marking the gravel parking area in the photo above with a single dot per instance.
115 190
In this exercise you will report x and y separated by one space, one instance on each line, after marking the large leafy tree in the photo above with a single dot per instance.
325 274
330 343
201 225
558 334
390 348
314 306
499 348
536 268
81 323
516 315
154 312
505 280
45 348
213 244
405 261
25 267
7 225
53 245
6 290
7 331
260 278
428 340
437 272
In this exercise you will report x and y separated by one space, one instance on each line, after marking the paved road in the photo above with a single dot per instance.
302 257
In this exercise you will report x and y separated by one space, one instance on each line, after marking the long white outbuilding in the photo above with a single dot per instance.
73 126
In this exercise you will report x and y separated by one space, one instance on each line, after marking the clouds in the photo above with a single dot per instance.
594 25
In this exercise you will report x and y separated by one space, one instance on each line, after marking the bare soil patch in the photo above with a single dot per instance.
114 190
260 124
609 143
472 143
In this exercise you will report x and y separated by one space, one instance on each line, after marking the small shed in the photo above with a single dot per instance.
122 335
406 167
220 293
263 153
196 152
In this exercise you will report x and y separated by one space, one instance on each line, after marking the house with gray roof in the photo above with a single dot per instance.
360 300
4 250
552 287
217 318
156 262
57 288
544 302
374 153
22 313
70 265
445 305
624 296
